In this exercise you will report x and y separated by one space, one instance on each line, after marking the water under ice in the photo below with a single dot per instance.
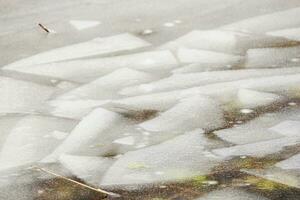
210 112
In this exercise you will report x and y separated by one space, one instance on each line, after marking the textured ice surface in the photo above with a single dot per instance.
287 177
225 92
258 149
231 194
32 139
22 96
188 114
266 127
88 168
287 128
181 81
268 22
291 163
291 33
186 55
251 99
90 136
271 57
163 162
7 123
89 69
84 24
105 87
97 46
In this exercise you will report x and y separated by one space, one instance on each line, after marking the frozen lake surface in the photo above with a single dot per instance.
140 99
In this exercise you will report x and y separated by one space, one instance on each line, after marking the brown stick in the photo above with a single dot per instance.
44 28
76 182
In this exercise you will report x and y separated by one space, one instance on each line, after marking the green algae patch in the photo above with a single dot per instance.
264 184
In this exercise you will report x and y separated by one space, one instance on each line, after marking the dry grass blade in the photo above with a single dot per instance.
44 28
76 182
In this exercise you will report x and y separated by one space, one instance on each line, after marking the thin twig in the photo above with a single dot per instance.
44 28
78 183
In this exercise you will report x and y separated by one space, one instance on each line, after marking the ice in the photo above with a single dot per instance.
231 194
261 128
97 46
90 134
292 33
252 99
29 140
87 168
75 109
180 81
186 55
224 91
85 70
22 96
162 162
258 149
7 123
291 163
224 41
289 178
268 22
271 57
84 24
188 114
106 86
201 67
287 128
213 40
126 140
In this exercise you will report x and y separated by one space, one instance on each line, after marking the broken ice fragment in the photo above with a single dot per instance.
190 113
171 163
26 142
258 149
287 128
204 56
252 99
84 24
105 87
291 163
97 46
85 70
22 96
88 168
231 194
88 133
